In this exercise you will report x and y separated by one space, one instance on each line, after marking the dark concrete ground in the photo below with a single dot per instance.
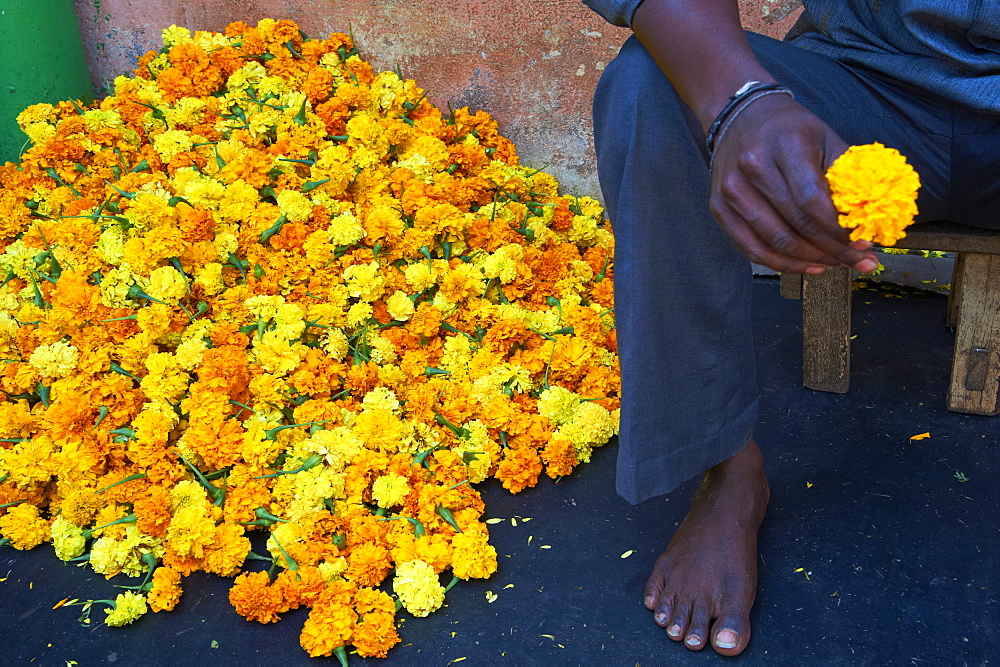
878 550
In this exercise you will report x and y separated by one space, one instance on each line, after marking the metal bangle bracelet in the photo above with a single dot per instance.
734 114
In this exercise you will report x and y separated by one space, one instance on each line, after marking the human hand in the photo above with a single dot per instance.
770 194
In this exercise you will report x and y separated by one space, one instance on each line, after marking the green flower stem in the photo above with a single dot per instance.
291 564
341 654
16 502
214 492
264 519
446 514
308 463
451 584
130 478
271 434
125 519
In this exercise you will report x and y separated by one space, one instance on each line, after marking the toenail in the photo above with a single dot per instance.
726 639
661 618
674 631
692 640
649 601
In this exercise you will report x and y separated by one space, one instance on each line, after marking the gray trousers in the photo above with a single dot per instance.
682 288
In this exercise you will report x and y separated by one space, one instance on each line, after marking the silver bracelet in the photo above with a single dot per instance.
737 111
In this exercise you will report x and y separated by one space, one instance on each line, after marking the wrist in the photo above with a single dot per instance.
747 94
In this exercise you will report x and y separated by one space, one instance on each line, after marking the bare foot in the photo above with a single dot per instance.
707 578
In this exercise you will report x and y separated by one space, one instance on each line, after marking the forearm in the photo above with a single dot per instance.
701 47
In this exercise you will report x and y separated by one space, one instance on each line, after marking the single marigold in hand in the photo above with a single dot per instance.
875 190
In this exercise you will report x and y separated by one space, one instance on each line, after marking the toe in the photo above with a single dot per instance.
679 621
654 587
664 607
697 633
731 633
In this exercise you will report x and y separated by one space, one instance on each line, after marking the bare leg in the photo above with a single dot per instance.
704 584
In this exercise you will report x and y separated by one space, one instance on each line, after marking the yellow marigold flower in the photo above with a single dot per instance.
358 314
875 190
420 276
67 539
364 281
56 360
191 530
171 143
274 353
390 490
333 570
288 321
335 343
38 113
110 245
294 205
400 306
210 278
339 446
382 350
187 493
166 284
263 306
345 229
557 404
174 35
23 527
30 463
238 201
418 588
166 591
381 398
128 608
473 557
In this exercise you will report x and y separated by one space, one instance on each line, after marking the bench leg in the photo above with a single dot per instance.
975 371
826 330
790 285
955 293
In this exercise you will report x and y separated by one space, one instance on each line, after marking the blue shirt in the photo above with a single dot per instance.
947 47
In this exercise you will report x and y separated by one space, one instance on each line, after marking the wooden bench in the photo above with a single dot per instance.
973 308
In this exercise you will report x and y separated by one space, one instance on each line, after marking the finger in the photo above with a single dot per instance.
809 208
757 192
735 199
757 251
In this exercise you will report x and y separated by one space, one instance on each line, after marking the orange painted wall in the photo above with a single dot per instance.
533 64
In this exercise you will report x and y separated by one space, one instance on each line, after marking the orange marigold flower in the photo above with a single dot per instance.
152 512
328 627
368 564
254 598
226 555
473 557
375 634
559 456
519 469
166 591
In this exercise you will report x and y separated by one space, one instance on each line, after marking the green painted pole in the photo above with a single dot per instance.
41 60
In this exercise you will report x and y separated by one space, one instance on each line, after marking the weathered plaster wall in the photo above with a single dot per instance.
533 64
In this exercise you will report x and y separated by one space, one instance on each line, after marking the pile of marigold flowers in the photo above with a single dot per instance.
261 287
